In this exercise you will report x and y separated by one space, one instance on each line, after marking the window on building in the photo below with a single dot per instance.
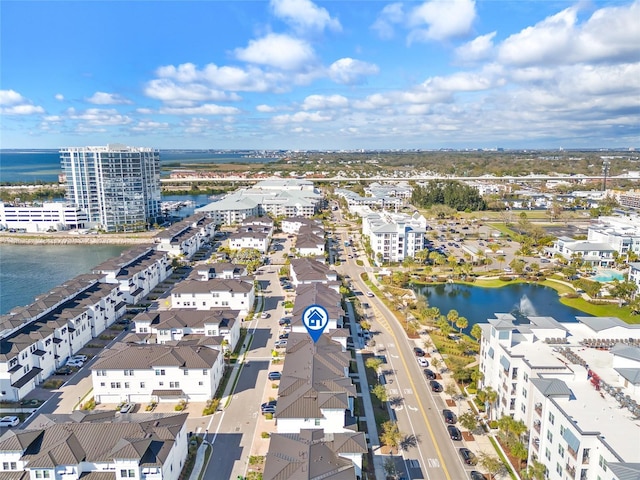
126 384
185 372
102 384
317 422
115 384
561 450
128 373
549 436
552 418
128 473
547 453
43 474
200 383
205 371
174 384
558 469
160 371
141 384
603 463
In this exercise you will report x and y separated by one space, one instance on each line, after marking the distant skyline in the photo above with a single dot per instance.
296 74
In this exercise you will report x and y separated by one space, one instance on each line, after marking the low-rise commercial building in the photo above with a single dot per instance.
49 216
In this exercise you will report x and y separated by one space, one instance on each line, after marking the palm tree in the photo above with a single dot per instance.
462 323
491 396
535 471
476 332
452 316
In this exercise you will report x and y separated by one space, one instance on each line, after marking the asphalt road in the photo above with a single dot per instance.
430 453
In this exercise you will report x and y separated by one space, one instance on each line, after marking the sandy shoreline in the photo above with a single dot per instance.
66 239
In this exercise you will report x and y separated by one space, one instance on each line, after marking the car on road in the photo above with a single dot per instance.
65 370
423 362
264 315
275 375
430 374
435 386
127 408
9 421
468 456
280 343
418 351
476 475
370 294
449 416
454 432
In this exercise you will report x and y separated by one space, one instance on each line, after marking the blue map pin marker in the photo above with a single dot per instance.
315 319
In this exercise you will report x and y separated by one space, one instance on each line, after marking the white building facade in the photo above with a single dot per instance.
49 216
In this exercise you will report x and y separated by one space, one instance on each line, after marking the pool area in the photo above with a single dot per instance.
607 275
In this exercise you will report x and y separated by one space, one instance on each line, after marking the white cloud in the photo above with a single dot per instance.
304 15
265 108
206 109
320 102
278 51
609 35
390 15
103 98
149 126
300 117
12 103
351 72
100 117
186 94
480 48
443 20
59 97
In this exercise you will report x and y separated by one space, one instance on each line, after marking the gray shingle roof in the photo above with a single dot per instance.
213 285
145 357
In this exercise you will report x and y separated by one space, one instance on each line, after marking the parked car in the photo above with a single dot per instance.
423 362
468 456
284 321
431 375
449 416
82 358
74 362
454 432
280 343
126 408
283 336
418 351
270 403
264 315
476 475
275 375
9 421
435 386
370 294
270 410
65 370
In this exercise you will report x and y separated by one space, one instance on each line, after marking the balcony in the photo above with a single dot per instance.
536 425
538 408
536 443
571 471
572 452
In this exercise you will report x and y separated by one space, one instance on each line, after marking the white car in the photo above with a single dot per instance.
370 294
9 421
75 362
423 362
264 315
82 358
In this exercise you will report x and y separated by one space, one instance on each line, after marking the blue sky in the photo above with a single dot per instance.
297 74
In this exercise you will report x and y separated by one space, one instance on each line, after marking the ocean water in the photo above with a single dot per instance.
33 166
27 271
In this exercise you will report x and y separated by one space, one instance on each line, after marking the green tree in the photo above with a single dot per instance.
452 317
373 363
462 323
491 396
534 471
380 392
476 332
391 435
469 421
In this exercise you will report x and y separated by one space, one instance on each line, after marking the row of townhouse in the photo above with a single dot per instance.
222 327
310 241
42 218
596 254
156 373
286 198
185 238
96 446
316 431
216 293
394 236
306 270
39 338
576 385
293 225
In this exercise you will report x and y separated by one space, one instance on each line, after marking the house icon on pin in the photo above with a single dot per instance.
315 318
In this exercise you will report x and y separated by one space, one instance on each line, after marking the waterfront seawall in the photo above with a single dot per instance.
66 239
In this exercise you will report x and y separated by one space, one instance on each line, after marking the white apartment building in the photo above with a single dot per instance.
42 218
575 385
293 225
156 373
251 238
39 338
288 198
116 185
622 234
96 445
597 254
394 237
219 270
174 325
235 294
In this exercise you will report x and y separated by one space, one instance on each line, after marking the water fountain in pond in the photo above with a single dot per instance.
524 308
